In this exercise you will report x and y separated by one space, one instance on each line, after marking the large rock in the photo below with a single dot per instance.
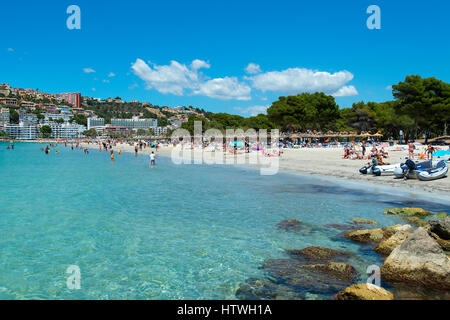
385 247
407 212
317 254
364 221
372 235
441 228
418 260
364 292
445 244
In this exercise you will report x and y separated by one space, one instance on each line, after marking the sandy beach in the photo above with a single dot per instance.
327 163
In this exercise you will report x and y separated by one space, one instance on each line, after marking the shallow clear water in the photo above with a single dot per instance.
168 232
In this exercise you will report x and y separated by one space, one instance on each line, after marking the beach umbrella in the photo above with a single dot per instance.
441 153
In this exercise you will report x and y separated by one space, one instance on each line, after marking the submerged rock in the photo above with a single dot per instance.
385 247
418 260
265 289
407 212
372 235
326 278
364 221
441 228
291 225
364 291
317 253
343 227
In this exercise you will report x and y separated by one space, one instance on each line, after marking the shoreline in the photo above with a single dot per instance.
327 164
338 171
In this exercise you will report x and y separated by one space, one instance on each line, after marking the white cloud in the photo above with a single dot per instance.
253 68
199 64
298 80
252 111
176 78
173 78
225 89
88 70
346 91
111 74
133 86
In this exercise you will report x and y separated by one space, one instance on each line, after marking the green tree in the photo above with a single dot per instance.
91 133
46 131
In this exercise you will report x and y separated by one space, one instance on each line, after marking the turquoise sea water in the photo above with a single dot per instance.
168 232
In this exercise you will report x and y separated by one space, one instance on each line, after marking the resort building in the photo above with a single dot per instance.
67 130
51 117
22 131
135 123
27 118
95 123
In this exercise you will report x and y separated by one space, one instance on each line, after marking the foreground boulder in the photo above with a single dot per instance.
441 228
372 235
364 292
407 212
385 247
418 260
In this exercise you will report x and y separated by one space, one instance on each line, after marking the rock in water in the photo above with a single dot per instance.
290 225
327 278
364 292
407 212
317 253
441 228
372 235
418 260
364 221
385 247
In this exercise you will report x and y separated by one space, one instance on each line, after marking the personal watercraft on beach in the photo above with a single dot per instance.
384 170
425 171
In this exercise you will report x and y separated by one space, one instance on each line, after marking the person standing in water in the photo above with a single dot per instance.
152 159
112 156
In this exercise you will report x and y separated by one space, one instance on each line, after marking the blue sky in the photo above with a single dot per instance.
145 50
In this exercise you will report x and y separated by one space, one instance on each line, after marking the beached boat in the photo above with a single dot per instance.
385 170
425 171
